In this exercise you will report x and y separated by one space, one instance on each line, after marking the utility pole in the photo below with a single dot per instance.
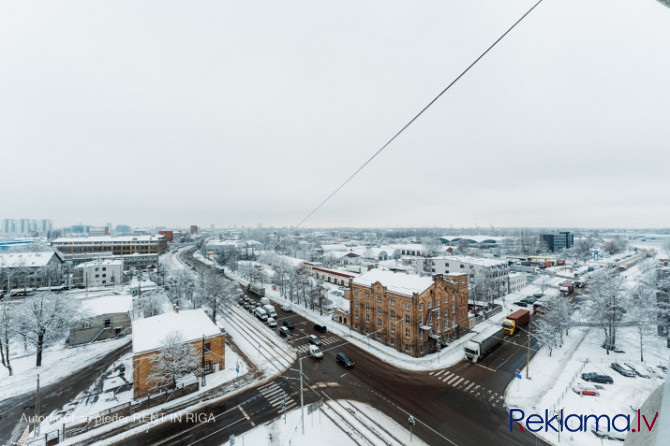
528 353
37 407
302 402
204 383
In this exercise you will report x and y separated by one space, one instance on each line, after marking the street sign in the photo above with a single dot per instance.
595 255
411 420
517 373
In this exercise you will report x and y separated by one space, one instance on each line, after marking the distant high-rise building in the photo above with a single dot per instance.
25 226
559 241
194 229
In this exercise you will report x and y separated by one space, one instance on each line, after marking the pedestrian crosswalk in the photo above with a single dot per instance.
276 396
302 349
458 382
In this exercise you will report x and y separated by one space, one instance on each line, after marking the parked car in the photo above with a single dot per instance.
521 304
288 323
241 302
315 340
596 378
260 313
585 390
315 352
286 307
625 371
637 370
272 322
285 332
343 359
320 328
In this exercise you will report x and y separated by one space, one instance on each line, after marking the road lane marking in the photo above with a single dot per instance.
458 382
441 372
431 373
455 377
487 368
247 416
470 385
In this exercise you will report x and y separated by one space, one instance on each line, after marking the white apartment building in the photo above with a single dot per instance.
494 273
99 273
517 281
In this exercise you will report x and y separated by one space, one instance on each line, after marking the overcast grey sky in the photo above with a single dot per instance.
172 113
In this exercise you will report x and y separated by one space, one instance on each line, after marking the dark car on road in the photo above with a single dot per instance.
625 371
343 359
320 328
285 332
315 340
596 378
288 323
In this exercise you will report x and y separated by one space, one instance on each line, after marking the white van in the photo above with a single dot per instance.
260 313
270 310
265 301
286 307
315 352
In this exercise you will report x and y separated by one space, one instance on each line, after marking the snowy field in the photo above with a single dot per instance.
320 430
554 379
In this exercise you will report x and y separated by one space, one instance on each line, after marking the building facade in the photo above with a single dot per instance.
30 270
413 314
99 272
557 242
517 281
123 245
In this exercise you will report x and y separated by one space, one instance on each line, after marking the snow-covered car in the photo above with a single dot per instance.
623 370
596 378
272 322
585 390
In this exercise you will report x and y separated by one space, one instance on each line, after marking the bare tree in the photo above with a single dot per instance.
43 318
607 301
175 360
5 331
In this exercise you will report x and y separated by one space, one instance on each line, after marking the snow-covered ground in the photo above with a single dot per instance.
554 378
320 429
58 362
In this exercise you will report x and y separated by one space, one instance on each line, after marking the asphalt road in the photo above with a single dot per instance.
52 397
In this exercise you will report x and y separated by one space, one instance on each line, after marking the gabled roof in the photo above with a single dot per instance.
149 333
27 259
398 283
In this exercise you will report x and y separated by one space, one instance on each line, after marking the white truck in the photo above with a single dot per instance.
482 343
270 310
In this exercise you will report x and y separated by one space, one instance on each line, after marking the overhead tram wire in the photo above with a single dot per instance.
417 115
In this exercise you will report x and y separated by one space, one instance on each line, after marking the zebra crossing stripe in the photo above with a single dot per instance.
446 377
441 372
431 373
458 382
454 378
470 385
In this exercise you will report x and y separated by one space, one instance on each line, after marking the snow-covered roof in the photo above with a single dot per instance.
108 238
292 261
25 259
149 333
334 247
477 261
107 305
106 262
399 283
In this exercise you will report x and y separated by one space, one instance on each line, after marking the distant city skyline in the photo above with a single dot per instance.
156 114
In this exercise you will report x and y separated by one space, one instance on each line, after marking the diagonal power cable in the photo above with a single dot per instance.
417 115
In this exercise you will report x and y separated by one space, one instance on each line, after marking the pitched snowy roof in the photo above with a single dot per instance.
107 305
149 333
399 283
26 259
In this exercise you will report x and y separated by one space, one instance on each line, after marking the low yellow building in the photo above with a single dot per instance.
194 327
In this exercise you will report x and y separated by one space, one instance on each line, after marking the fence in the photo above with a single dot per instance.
124 410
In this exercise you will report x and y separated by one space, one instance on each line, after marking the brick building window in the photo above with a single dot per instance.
392 315
367 318
407 332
